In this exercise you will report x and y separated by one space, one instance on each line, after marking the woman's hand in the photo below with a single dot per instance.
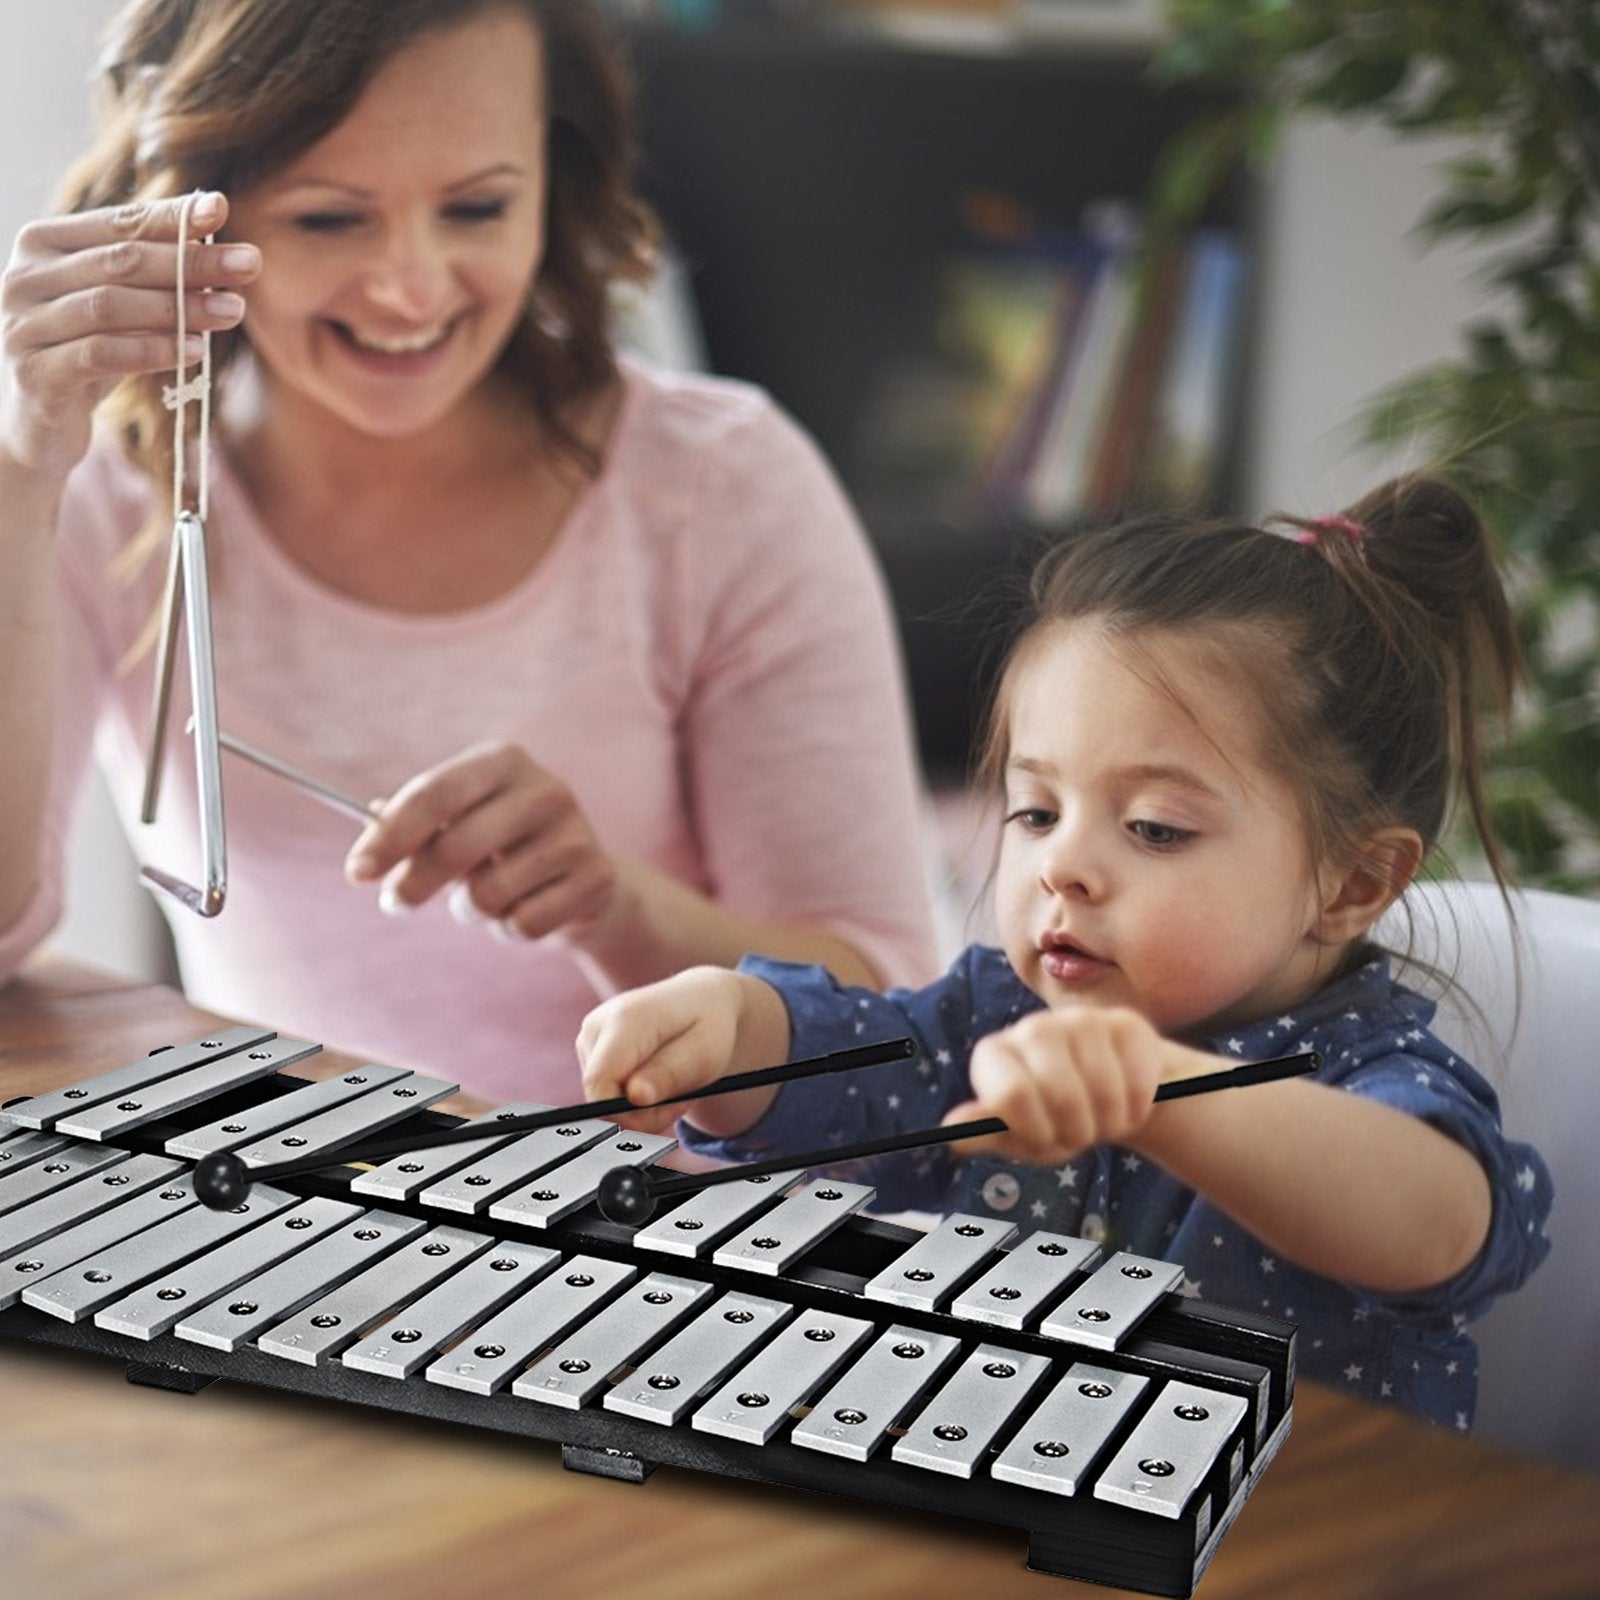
90 299
506 837
1065 1080
681 1034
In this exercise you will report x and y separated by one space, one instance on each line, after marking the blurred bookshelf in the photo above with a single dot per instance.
932 256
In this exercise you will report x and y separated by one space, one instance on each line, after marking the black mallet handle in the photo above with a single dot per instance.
629 1195
222 1180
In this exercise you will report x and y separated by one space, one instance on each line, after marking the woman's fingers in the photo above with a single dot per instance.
91 298
507 839
118 309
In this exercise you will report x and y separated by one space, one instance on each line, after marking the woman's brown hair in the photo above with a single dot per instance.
1371 641
219 94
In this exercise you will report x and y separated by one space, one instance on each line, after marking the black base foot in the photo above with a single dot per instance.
620 1464
156 1375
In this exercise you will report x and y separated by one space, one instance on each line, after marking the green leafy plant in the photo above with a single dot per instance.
1515 417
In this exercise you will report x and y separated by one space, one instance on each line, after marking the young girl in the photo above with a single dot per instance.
1224 751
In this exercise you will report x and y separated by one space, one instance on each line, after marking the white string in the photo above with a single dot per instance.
177 395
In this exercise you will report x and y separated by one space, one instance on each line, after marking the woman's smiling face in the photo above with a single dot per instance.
399 251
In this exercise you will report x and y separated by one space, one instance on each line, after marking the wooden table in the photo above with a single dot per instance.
113 1492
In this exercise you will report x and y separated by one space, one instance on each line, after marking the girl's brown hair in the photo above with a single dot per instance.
1371 641
219 94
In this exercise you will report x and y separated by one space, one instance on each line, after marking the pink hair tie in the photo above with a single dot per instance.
1348 526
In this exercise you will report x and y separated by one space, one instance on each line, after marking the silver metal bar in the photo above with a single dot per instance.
926 1276
1171 1449
166 655
54 1173
953 1432
157 1306
24 1150
350 1121
47 1257
854 1417
579 1368
263 1302
343 1315
42 1110
416 1333
1027 1277
83 1289
1109 1304
1057 1447
471 1189
189 587
781 1237
711 1214
65 1208
282 1111
666 1384
111 1119
571 1186
362 811
498 1350
403 1177
757 1400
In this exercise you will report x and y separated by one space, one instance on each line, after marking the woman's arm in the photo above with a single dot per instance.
29 503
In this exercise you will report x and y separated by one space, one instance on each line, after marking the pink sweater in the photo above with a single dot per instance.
705 656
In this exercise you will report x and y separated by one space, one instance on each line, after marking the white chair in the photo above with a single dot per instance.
1539 1384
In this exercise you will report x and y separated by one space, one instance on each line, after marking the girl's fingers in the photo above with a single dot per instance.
1004 1083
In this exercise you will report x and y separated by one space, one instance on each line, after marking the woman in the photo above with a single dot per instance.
591 634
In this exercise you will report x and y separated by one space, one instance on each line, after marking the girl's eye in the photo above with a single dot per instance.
1162 835
477 210
1034 818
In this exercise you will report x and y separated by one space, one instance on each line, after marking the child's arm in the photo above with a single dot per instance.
680 1034
1339 1184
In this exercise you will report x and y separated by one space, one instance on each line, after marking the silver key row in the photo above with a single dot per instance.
319 1280
974 1268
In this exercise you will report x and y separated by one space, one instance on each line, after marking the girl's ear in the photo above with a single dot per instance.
1354 898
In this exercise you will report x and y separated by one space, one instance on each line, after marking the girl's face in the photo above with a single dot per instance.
398 252
1148 859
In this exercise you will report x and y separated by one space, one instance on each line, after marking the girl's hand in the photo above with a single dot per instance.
90 299
1065 1080
509 836
681 1034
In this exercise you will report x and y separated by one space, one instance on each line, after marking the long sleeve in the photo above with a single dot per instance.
84 662
978 995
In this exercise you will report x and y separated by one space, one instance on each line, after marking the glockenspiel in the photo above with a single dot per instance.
766 1328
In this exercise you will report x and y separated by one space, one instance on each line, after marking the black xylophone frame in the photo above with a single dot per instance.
1068 1536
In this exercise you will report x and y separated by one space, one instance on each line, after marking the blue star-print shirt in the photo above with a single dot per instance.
1410 1350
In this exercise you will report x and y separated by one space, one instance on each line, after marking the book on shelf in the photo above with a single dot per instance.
939 413
1064 373
1186 429
1133 408
1054 481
